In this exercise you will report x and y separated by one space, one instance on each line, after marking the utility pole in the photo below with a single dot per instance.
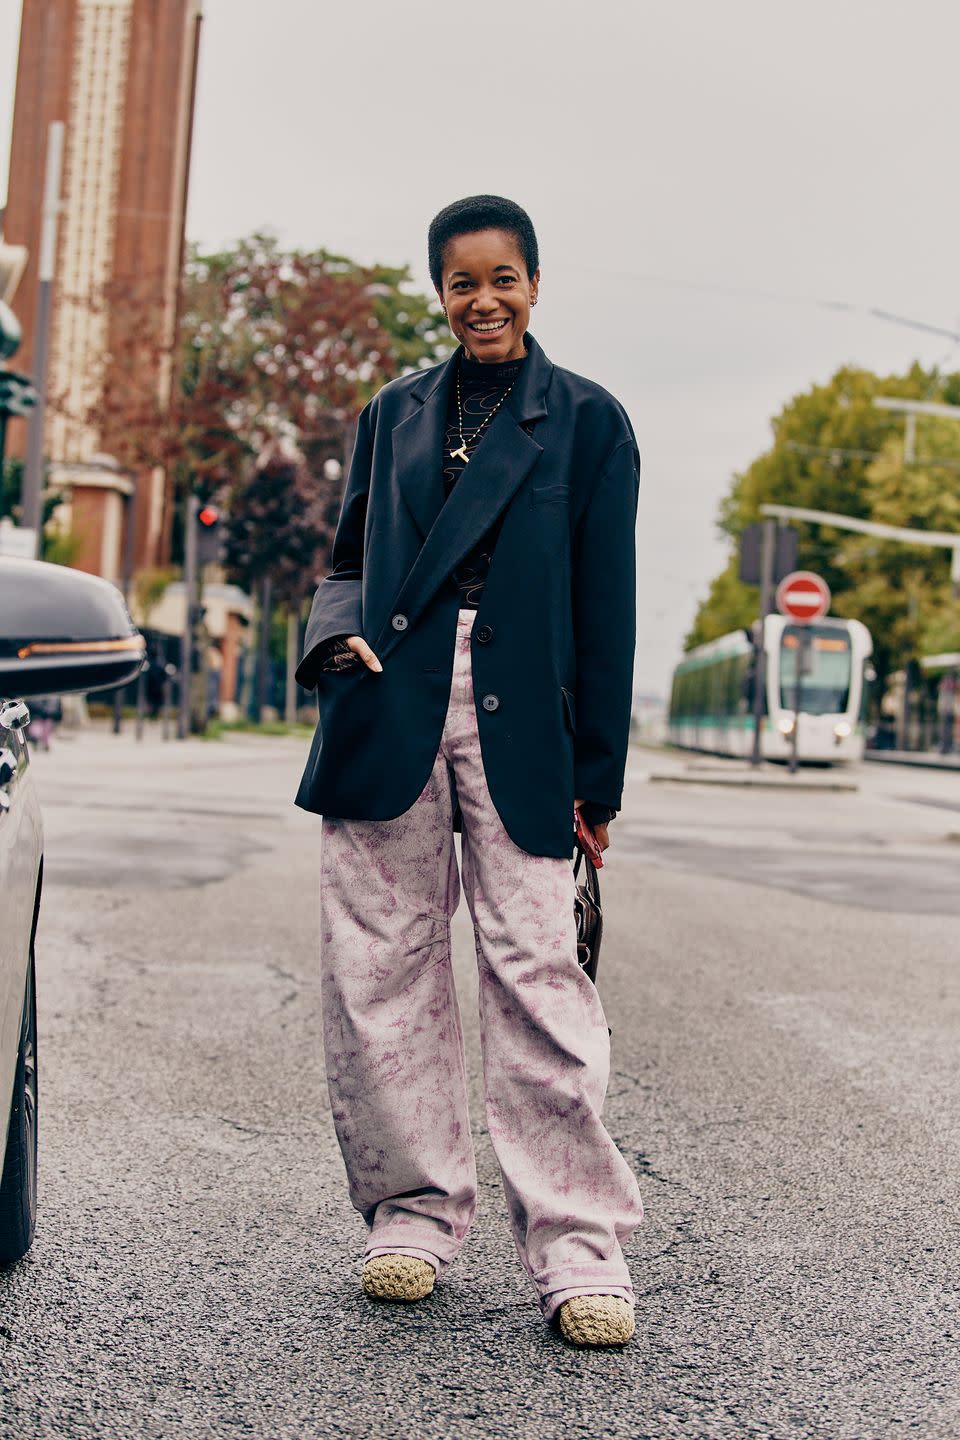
126 578
33 469
263 646
290 692
768 546
191 509
803 641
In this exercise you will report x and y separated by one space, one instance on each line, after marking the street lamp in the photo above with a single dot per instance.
913 408
940 539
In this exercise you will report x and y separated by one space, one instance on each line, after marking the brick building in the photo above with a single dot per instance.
121 75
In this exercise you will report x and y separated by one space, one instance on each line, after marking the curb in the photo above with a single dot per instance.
746 782
917 760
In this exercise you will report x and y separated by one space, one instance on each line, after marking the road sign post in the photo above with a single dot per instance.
803 597
767 569
768 551
803 654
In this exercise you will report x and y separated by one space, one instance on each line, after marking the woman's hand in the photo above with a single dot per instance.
601 832
360 647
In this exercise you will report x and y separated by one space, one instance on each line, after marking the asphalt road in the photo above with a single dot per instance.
781 974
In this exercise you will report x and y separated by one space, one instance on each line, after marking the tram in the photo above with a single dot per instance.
711 700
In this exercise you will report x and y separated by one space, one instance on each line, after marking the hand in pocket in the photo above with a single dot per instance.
349 653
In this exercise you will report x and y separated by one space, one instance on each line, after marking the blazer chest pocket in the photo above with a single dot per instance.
549 494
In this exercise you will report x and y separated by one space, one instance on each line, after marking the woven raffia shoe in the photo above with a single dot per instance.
596 1320
398 1277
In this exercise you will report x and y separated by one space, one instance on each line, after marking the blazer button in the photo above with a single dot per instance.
399 622
484 634
491 702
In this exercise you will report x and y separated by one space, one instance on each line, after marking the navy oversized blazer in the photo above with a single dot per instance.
554 637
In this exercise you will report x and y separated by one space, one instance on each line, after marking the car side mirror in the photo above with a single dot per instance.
62 630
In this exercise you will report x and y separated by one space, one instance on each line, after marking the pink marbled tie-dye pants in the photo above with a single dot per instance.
394 1049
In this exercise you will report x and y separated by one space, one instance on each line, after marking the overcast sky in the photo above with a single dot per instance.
700 175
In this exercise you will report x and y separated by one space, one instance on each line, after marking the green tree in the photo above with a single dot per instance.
292 336
903 592
833 450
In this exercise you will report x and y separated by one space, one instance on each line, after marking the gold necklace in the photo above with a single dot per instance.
461 452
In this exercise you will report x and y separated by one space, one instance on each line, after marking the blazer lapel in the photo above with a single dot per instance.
499 466
417 442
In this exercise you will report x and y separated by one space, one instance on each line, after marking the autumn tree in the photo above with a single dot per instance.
268 342
277 526
270 345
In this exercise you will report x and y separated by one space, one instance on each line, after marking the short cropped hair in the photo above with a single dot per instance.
480 212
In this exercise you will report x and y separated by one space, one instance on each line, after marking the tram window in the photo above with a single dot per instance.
711 689
720 696
743 693
825 688
730 686
715 688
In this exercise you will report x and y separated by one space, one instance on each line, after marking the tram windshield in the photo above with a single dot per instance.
825 685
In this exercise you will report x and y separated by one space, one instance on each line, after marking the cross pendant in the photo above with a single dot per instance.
460 454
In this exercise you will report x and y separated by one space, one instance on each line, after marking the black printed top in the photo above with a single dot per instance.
482 390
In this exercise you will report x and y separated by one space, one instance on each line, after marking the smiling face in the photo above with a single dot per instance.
488 294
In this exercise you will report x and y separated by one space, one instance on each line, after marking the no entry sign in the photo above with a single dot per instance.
803 596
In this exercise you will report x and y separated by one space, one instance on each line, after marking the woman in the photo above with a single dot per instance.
473 654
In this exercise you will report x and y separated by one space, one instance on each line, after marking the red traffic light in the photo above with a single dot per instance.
209 515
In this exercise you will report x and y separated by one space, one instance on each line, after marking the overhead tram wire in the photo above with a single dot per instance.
780 297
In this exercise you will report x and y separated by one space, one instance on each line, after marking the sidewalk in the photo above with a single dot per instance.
926 759
668 766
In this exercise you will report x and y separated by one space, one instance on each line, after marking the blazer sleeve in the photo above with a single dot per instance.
337 606
604 618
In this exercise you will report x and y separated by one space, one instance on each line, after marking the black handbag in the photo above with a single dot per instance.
588 913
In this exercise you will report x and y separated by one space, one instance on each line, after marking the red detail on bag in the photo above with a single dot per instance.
588 842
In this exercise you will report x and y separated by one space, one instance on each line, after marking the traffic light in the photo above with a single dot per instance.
210 537
784 558
17 395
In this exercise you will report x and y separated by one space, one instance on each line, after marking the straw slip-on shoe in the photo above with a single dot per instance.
398 1277
596 1320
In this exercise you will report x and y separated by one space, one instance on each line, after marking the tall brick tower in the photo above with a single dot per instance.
121 76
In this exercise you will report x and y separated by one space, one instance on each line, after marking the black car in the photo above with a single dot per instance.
60 630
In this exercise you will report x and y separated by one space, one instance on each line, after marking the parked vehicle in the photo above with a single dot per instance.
60 630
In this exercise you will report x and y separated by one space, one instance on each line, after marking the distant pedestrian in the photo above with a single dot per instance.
946 710
155 680
473 654
46 712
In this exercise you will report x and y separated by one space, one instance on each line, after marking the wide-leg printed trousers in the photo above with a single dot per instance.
394 1045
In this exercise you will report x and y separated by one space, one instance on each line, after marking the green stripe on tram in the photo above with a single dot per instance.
686 667
716 722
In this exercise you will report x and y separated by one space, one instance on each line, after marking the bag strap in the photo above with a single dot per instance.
592 881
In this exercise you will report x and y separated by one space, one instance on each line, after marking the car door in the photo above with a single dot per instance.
20 847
